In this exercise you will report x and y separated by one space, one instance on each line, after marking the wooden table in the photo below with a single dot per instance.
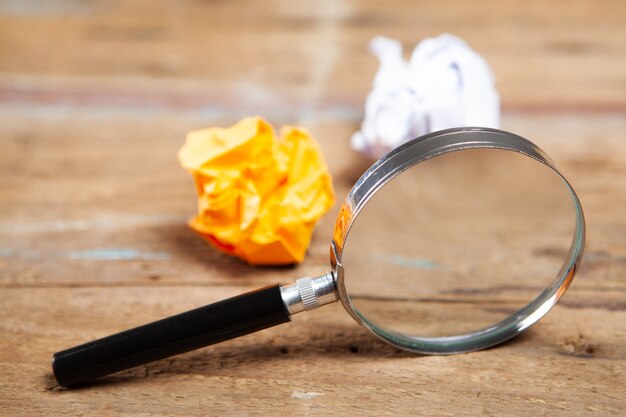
95 100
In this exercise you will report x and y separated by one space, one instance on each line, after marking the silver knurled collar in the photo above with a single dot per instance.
307 293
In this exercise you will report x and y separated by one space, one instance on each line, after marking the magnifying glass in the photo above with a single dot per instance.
453 242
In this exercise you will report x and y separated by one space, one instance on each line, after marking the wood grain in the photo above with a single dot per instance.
95 100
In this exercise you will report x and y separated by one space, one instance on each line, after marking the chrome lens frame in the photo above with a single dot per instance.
411 154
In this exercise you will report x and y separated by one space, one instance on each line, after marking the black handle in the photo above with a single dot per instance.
227 319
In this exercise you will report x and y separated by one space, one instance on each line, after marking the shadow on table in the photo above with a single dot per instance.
315 348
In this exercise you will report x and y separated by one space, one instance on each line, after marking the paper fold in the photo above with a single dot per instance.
259 197
444 84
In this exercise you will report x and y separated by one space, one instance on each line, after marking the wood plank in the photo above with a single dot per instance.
313 55
320 363
87 183
95 100
82 181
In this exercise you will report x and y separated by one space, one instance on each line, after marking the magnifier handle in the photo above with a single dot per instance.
227 319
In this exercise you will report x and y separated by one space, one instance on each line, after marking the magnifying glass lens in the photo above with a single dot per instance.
457 243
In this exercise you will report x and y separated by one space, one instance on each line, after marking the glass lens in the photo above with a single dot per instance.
458 243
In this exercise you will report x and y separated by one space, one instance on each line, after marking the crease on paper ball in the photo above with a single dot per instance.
444 84
259 198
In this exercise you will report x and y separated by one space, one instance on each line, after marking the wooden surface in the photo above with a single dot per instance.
95 100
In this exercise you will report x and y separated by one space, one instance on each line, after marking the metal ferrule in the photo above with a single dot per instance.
309 293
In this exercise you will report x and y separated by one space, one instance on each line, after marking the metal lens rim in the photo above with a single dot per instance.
420 150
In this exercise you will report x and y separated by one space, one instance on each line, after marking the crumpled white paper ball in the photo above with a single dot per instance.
445 84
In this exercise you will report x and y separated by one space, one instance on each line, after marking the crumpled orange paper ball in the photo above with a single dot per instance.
258 197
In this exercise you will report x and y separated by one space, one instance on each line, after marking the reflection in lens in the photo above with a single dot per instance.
458 243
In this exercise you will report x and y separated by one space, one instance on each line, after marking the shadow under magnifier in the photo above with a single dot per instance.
458 243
